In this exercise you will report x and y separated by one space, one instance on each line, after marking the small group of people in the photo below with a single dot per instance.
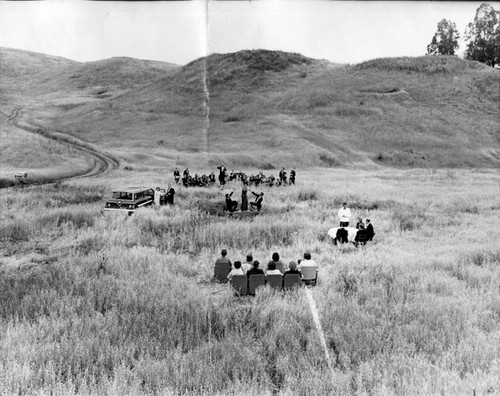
274 267
193 181
164 197
256 204
364 231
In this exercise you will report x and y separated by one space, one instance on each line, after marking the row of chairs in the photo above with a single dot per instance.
222 270
243 285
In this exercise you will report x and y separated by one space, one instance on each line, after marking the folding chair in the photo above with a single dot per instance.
255 281
221 271
291 281
240 284
275 281
309 275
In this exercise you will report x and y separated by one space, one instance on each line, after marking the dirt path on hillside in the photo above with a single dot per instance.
102 162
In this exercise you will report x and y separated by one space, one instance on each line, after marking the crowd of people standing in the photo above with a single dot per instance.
224 176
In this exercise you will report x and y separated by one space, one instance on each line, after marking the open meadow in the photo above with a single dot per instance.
95 302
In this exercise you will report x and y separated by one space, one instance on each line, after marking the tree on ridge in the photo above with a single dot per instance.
483 36
445 40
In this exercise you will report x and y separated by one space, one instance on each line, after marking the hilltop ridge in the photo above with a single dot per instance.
265 108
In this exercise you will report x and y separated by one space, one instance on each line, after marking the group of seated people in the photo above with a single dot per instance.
362 233
274 267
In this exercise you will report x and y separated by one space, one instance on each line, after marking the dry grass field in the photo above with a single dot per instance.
94 302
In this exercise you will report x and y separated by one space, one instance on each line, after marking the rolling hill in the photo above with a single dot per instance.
266 109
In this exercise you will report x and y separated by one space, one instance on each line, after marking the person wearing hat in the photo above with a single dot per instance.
344 215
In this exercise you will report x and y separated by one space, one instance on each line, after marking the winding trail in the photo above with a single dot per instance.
102 162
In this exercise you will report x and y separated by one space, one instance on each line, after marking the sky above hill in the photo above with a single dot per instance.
179 32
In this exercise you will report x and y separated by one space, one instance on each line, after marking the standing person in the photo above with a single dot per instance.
283 177
244 198
344 215
258 201
370 233
186 173
222 174
157 196
292 176
177 175
169 196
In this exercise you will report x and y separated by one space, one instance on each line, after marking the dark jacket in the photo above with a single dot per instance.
369 231
255 271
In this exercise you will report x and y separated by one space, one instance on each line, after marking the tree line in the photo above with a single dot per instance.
482 37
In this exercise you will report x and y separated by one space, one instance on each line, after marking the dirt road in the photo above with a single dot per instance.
101 162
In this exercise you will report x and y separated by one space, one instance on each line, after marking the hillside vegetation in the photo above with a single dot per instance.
268 108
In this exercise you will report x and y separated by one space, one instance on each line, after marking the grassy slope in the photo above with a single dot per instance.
279 108
94 303
42 159
32 80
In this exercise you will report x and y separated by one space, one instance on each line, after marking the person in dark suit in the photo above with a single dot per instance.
255 269
231 205
244 198
292 269
258 201
169 196
342 236
370 232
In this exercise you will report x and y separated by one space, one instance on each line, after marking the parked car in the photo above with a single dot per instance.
130 198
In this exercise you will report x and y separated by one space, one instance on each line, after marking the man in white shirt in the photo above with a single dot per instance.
344 215
307 262
308 268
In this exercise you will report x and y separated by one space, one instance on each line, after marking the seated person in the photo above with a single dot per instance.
231 205
271 269
236 270
255 269
246 266
360 225
223 259
292 269
307 262
342 236
257 204
276 260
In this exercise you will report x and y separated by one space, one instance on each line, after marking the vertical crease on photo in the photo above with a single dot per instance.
206 98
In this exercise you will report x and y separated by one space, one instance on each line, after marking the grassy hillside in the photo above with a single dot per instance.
272 108
255 109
